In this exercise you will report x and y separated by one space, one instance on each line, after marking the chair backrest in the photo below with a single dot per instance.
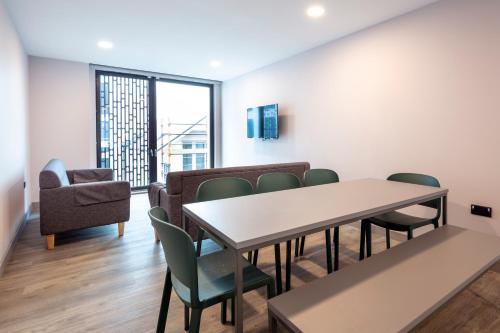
320 176
222 188
277 181
179 252
419 179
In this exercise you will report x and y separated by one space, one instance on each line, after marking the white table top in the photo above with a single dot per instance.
256 220
392 291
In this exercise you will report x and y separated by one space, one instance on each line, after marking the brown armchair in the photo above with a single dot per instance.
78 199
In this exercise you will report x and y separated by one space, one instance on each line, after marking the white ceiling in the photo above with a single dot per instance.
182 36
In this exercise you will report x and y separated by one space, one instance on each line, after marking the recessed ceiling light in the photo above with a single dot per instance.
105 44
215 63
315 11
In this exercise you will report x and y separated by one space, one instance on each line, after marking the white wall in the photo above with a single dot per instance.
419 93
13 132
62 115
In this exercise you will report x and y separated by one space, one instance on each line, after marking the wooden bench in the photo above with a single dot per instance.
392 291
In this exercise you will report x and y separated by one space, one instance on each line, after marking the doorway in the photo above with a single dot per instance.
149 126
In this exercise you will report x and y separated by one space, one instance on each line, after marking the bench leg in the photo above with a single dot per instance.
121 229
50 242
273 323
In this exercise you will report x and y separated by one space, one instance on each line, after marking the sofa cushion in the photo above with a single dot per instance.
53 175
99 192
91 175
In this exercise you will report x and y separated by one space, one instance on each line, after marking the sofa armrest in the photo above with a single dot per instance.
99 192
90 175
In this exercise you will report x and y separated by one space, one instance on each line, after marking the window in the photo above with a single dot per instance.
187 162
200 145
187 146
200 161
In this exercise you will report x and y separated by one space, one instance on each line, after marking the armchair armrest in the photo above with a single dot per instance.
100 192
90 175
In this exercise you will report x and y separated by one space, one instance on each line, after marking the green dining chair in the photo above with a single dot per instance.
399 221
199 282
215 189
220 188
271 182
315 177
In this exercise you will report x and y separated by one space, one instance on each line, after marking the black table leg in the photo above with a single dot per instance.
328 240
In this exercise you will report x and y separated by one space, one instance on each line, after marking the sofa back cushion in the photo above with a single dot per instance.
186 182
53 175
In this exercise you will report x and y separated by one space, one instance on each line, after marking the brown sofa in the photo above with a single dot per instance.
181 186
78 199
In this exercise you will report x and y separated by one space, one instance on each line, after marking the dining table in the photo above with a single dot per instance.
248 223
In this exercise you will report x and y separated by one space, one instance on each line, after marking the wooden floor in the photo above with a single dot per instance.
94 281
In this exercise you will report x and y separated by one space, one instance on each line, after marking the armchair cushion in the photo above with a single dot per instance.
90 175
99 192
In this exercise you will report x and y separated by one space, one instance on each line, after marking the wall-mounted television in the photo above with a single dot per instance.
262 122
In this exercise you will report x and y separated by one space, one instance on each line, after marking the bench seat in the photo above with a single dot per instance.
392 291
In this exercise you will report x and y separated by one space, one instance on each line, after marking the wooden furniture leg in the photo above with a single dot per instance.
157 237
50 242
121 228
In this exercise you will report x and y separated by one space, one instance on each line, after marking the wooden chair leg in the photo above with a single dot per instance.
165 301
302 243
336 236
277 260
121 229
362 241
387 238
328 242
51 239
194 326
157 236
288 274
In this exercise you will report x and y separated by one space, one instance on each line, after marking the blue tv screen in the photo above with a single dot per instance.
262 122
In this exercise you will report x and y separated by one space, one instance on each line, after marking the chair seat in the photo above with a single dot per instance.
216 278
399 221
